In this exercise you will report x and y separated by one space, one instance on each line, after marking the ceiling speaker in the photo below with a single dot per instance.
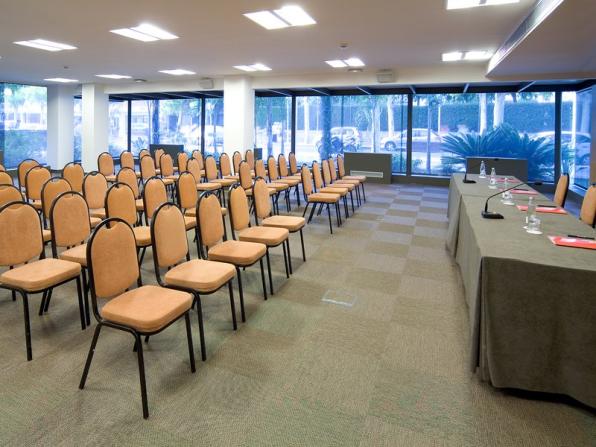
206 83
385 76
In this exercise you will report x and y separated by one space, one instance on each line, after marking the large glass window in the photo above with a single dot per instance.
118 137
273 125
214 130
576 136
77 129
23 123
144 124
180 123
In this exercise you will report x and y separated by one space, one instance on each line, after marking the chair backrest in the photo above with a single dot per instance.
120 203
20 239
239 212
340 166
588 210
332 169
182 159
209 219
186 187
129 177
316 174
326 171
147 167
236 160
249 156
293 163
197 155
127 160
154 194
272 168
307 186
225 166
69 219
105 164
194 168
23 168
74 173
34 181
168 233
282 165
167 165
157 157
245 176
5 178
259 168
260 195
52 189
95 188
111 260
561 190
210 168
144 152
10 193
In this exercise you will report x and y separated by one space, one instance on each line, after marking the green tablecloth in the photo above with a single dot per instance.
532 305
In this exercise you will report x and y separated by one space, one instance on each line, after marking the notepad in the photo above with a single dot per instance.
564 241
543 209
524 191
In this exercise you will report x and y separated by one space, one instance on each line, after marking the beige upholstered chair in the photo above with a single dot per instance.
236 159
127 160
588 210
330 180
246 180
21 241
145 310
225 167
148 170
157 158
294 165
275 177
5 178
129 177
249 157
105 165
95 188
144 152
22 170
194 167
334 189
50 190
212 174
196 276
182 159
241 229
73 172
210 225
10 193
318 198
341 172
561 190
34 181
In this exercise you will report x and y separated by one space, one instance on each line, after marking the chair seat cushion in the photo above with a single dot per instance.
345 181
278 186
272 191
36 204
270 236
237 252
94 221
360 178
289 181
345 185
98 212
200 275
171 177
76 254
111 178
168 181
148 308
142 236
291 223
139 204
39 275
190 222
224 181
235 177
320 197
47 235
208 186
192 212
334 190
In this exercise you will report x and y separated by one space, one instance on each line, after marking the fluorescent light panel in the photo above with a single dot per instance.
478 55
290 15
462 4
253 67
47 45
61 80
266 19
352 62
244 68
453 56
336 63
113 76
178 72
145 32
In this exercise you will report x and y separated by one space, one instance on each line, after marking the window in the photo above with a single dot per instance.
23 126
447 128
144 124
180 123
118 122
576 136
214 119
78 129
273 125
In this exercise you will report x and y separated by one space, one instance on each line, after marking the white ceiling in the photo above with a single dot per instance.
214 36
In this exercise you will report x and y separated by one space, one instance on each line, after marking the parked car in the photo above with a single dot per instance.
342 138
419 135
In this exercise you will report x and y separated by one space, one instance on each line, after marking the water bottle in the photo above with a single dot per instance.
505 186
531 210
482 170
493 179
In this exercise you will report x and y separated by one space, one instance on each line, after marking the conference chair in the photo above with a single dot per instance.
236 160
143 153
157 159
167 170
49 191
95 188
318 198
243 231
194 167
148 170
143 311
294 165
320 187
127 160
275 177
10 193
22 170
561 190
105 165
212 176
329 180
225 167
210 225
282 165
341 172
129 177
5 178
74 173
196 276
21 241
182 159
249 157
279 187
588 210
34 181
351 184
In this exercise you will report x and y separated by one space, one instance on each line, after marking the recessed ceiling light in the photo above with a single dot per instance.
453 56
336 63
295 16
145 32
178 72
260 67
478 55
266 19
461 4
113 76
47 45
244 68
354 62
61 80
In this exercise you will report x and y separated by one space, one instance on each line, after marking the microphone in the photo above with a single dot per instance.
473 166
494 215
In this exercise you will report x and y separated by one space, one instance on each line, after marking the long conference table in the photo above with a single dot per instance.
532 304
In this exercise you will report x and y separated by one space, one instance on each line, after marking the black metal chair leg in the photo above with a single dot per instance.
142 255
90 356
86 292
263 279
269 271
14 296
312 212
302 243
345 199
242 314
27 325
289 257
142 376
48 298
283 245
232 305
201 328
363 192
81 303
305 209
329 215
42 305
352 200
191 353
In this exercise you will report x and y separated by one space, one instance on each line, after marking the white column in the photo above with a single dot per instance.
95 125
60 125
239 114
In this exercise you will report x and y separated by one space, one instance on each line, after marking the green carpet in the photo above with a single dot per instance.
365 345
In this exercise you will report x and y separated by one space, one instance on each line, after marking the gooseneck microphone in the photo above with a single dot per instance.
472 167
494 215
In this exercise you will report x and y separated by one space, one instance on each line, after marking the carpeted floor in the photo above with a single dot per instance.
365 345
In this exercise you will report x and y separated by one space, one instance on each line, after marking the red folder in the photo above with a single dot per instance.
543 209
528 192
573 242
